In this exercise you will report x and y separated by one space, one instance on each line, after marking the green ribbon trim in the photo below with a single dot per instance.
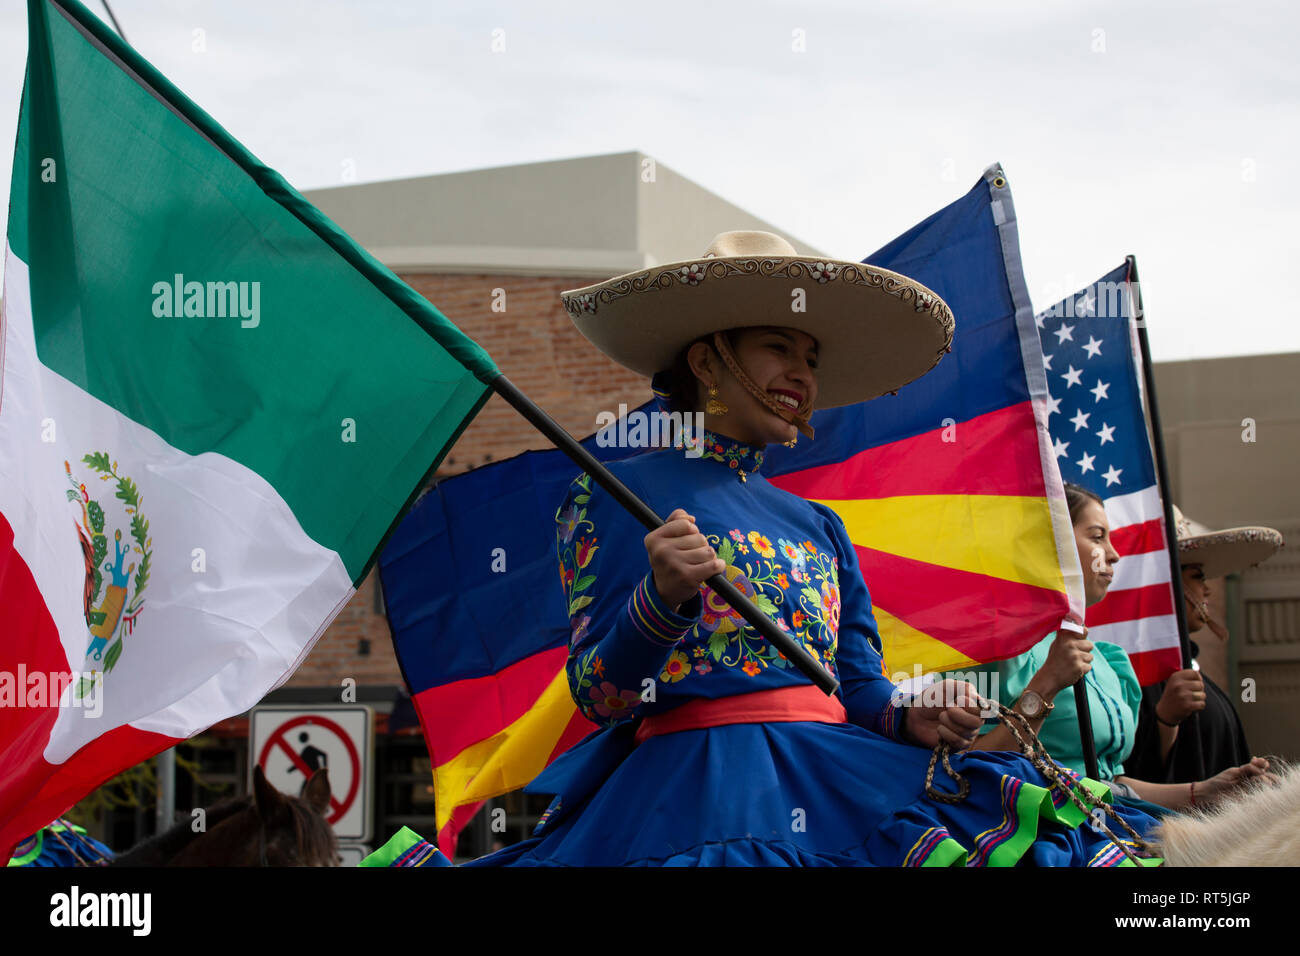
1031 803
1034 803
33 854
399 843
948 853
1069 815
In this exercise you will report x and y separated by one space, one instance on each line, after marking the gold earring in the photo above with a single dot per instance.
792 442
715 407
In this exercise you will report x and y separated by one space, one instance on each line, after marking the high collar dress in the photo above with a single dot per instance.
793 792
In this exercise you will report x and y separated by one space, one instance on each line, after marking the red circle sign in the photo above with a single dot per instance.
278 737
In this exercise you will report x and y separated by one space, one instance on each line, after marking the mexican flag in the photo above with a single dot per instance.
214 407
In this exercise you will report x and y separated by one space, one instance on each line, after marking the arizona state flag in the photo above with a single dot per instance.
949 491
214 406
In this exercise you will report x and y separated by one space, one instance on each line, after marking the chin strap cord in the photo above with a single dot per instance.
795 417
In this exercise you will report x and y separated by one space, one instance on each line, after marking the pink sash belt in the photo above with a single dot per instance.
780 704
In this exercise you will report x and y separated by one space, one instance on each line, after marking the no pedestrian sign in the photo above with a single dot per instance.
292 743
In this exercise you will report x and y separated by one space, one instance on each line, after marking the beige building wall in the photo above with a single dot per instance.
1232 436
592 216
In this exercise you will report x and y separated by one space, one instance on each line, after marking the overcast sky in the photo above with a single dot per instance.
1168 130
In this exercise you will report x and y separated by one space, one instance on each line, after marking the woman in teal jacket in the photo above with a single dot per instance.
1033 685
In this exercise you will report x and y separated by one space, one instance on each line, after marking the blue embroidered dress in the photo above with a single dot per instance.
776 793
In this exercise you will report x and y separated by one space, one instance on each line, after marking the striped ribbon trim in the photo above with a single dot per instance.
990 840
418 855
923 847
655 623
891 718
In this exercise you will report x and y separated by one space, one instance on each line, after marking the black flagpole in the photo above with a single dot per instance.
1084 713
794 652
1162 476
1085 729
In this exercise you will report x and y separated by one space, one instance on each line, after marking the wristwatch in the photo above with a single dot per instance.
1032 706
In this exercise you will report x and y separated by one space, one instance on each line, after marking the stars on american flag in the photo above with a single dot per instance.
1094 436
1099 440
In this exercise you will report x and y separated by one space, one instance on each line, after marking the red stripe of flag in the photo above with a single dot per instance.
1154 666
31 644
450 833
992 454
1141 538
961 608
456 715
1131 604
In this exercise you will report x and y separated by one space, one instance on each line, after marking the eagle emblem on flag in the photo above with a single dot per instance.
114 597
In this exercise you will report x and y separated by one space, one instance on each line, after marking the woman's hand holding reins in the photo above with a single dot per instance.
1232 778
680 558
948 711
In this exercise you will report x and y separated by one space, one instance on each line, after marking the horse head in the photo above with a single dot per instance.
293 831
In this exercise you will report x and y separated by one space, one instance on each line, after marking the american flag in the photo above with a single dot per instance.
1099 434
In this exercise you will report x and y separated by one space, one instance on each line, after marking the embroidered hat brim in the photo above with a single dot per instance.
876 330
1224 552
1230 551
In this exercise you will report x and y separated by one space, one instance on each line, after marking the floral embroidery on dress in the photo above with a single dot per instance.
600 698
678 666
574 556
739 458
792 581
786 580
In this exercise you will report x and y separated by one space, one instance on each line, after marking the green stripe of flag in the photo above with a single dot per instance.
124 194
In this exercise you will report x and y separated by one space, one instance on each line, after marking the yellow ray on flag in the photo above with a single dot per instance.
911 653
997 535
507 760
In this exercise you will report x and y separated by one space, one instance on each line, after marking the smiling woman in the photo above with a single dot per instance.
714 749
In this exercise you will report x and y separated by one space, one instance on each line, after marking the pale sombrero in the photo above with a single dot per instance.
1224 552
876 330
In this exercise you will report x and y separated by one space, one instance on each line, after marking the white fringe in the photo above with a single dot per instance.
1259 825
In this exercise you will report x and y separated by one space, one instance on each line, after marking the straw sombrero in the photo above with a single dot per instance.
876 330
1223 552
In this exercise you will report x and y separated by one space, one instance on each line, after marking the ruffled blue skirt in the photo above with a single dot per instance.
800 794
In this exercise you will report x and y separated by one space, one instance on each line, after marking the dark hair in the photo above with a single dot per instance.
1077 498
682 385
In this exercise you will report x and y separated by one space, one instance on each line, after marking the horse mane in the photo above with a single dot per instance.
316 838
1257 826
160 848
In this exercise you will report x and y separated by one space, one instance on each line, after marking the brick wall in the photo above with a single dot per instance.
535 344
